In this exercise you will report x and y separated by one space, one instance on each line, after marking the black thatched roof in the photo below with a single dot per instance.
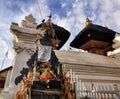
61 33
94 32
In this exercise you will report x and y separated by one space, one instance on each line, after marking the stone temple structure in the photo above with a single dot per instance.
24 47
89 67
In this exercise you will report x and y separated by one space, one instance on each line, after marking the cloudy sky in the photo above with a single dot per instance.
70 14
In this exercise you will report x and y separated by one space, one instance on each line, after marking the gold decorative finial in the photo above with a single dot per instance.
88 21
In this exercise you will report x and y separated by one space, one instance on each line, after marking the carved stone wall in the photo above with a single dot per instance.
91 67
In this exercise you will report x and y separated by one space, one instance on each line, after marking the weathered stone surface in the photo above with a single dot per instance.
24 46
29 22
84 58
15 27
90 66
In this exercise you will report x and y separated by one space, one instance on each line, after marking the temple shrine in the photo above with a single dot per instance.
41 71
94 38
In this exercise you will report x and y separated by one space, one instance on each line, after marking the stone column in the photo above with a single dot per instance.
5 91
24 46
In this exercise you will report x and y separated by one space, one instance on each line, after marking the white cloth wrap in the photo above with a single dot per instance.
44 53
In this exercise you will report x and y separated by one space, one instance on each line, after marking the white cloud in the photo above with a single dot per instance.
63 5
3 47
102 12
74 18
107 12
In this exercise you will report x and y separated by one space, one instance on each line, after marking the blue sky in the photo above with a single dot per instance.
70 14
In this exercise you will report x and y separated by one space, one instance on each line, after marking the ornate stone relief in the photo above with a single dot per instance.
19 47
29 22
26 31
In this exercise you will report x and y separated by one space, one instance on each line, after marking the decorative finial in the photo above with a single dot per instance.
88 21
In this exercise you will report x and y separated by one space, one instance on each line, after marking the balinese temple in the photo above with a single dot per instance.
94 39
94 74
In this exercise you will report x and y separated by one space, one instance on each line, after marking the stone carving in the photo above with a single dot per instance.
43 62
24 46
116 47
29 22
25 36
20 47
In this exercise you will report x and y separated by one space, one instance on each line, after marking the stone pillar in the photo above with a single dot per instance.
5 91
24 46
